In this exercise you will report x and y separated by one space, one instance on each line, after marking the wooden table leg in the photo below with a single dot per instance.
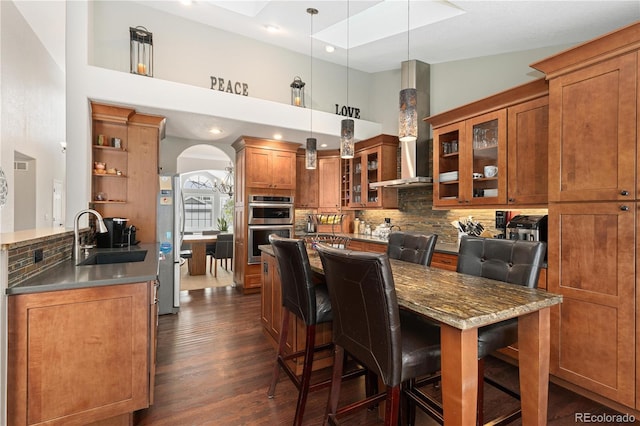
533 354
459 374
198 261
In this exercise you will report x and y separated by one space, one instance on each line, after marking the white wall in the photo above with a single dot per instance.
189 52
33 113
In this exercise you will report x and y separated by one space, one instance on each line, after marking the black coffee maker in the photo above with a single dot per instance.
118 234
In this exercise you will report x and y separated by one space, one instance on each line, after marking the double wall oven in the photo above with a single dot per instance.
268 214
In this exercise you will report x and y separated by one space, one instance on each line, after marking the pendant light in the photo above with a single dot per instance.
408 114
311 150
347 144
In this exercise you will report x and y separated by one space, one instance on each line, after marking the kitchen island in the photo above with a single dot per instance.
81 345
461 304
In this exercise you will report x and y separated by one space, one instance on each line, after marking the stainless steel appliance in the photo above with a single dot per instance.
259 235
169 231
528 227
268 214
270 209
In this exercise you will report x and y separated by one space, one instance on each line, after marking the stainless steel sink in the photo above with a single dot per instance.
105 258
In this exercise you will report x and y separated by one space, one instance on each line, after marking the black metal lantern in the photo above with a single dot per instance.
297 92
141 50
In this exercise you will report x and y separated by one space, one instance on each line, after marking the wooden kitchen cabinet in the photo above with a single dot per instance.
593 122
99 368
375 160
593 215
129 193
263 167
592 258
271 318
329 181
446 261
359 245
319 188
509 125
267 166
527 152
464 149
306 184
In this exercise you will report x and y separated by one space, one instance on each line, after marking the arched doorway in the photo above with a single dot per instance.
205 173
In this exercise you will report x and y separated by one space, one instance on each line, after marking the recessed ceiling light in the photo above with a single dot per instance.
272 28
329 49
277 136
186 2
215 131
323 145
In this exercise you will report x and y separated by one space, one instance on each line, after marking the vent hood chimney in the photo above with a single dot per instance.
414 156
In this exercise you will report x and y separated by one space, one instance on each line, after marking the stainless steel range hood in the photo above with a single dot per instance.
414 156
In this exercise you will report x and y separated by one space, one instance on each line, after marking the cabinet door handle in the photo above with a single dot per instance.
265 267
624 208
512 200
624 192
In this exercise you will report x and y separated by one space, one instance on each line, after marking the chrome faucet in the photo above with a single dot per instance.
76 233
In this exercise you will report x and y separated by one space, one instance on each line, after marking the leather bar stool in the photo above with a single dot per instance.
367 326
410 247
308 301
516 262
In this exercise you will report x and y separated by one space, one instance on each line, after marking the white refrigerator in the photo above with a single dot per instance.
170 219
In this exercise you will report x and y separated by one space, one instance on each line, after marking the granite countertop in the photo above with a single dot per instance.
440 247
67 275
459 300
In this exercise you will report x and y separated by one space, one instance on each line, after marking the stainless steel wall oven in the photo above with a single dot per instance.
268 214
270 210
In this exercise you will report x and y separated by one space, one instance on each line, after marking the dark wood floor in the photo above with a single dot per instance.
214 366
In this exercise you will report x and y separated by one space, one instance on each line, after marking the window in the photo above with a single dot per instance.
203 205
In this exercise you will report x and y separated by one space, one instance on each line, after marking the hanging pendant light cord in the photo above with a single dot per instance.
311 12
348 54
408 29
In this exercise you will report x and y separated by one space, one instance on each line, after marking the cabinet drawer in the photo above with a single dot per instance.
447 261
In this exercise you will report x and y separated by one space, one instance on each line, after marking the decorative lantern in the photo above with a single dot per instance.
141 51
408 116
347 144
297 92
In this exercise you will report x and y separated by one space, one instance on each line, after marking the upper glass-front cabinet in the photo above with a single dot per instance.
471 162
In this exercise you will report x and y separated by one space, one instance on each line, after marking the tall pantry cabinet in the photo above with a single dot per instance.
593 214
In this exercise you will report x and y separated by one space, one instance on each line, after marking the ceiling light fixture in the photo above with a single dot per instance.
347 144
311 149
272 28
408 113
225 186
215 131
329 49
277 136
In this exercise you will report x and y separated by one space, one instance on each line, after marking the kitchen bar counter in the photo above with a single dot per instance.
461 304
68 276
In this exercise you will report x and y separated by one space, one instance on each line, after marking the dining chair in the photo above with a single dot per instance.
335 240
223 250
185 253
412 247
515 262
309 301
367 325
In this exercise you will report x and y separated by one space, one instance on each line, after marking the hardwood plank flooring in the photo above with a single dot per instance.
214 365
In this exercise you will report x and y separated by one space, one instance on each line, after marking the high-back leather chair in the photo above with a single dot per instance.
411 247
309 301
223 250
516 262
367 325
